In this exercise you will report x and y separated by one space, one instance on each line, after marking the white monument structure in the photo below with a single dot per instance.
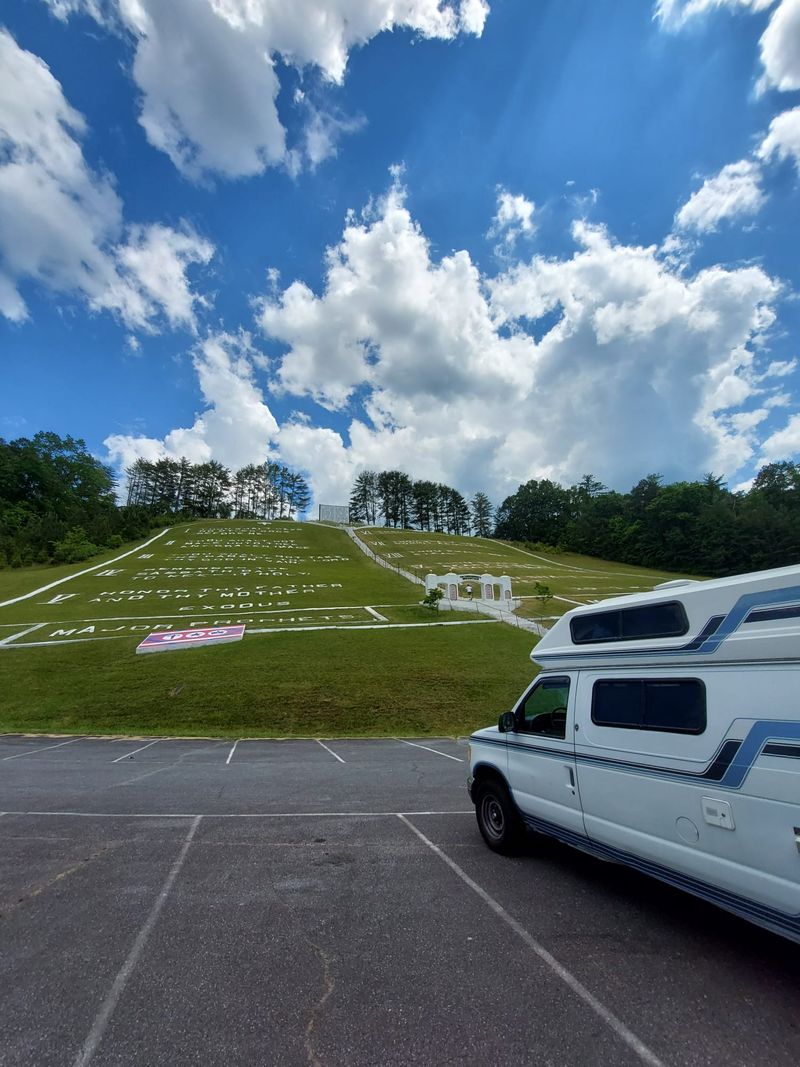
482 586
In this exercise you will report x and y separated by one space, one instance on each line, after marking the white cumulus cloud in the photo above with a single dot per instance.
783 138
737 191
514 219
389 316
61 220
732 193
612 360
156 258
673 14
783 443
779 44
235 426
206 69
641 365
780 48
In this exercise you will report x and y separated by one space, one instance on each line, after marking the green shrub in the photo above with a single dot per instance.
75 547
432 598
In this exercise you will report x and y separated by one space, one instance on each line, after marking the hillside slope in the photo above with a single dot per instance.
334 643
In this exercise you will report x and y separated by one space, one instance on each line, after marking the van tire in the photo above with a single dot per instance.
498 819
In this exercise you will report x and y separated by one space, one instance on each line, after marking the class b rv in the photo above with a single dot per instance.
663 732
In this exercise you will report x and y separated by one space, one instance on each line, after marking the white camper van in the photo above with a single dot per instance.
664 732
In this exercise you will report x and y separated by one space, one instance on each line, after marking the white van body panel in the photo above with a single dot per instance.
712 807
542 771
748 618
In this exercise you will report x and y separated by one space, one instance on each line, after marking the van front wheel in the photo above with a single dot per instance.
498 818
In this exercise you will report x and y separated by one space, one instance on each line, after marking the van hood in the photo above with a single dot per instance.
491 733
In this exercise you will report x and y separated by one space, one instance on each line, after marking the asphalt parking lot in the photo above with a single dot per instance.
331 902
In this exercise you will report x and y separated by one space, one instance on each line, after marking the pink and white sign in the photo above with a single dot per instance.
209 635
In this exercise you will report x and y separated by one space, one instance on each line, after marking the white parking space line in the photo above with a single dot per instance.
330 750
140 777
434 750
234 815
230 754
127 754
103 1016
569 979
44 748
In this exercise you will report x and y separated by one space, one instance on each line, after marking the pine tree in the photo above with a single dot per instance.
482 515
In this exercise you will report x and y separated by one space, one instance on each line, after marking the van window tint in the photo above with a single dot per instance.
630 624
617 703
677 705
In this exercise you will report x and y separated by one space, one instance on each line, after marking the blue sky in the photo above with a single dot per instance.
479 240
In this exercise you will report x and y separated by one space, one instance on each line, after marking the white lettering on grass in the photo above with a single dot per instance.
59 598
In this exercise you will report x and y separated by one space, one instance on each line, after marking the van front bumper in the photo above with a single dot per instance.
470 784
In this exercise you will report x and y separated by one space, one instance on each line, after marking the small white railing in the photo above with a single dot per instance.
478 607
382 562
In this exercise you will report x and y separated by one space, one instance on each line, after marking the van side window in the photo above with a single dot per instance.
677 705
630 624
545 709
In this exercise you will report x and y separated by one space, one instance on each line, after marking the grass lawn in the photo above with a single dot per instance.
17 581
572 579
439 680
68 662
209 570
71 664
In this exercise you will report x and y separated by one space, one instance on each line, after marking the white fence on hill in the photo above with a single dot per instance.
382 562
478 607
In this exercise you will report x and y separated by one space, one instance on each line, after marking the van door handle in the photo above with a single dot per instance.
570 783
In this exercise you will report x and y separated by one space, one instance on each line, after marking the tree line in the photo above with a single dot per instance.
392 498
697 527
211 491
58 503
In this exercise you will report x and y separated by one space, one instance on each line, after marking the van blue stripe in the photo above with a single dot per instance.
707 641
728 768
782 922
752 746
742 608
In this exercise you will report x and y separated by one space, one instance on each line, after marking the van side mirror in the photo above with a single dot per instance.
507 723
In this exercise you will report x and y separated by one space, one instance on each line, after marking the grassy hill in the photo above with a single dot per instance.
572 579
335 645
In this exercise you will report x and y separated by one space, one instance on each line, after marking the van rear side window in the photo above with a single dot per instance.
630 624
676 705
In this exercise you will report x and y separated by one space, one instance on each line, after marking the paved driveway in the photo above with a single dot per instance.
305 902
